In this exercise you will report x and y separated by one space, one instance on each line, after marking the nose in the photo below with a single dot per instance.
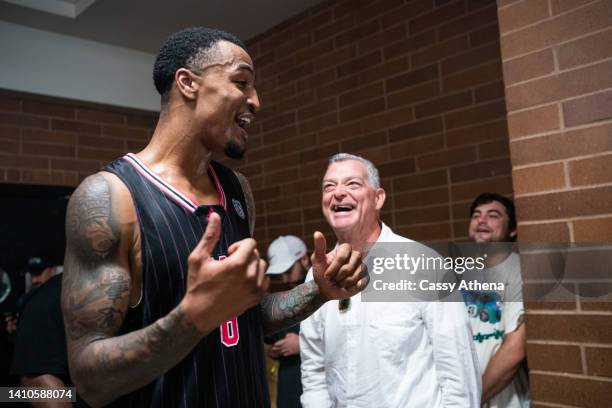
253 102
339 191
37 279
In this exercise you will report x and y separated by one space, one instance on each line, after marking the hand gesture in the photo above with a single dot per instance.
287 346
340 273
220 290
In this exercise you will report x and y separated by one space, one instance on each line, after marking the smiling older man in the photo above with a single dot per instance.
384 354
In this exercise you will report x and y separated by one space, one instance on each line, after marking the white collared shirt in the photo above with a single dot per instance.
411 354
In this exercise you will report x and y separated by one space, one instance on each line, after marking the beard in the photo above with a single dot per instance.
234 150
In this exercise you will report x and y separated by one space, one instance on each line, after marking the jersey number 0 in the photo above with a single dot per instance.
229 332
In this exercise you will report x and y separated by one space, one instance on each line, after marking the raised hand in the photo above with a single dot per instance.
340 273
220 290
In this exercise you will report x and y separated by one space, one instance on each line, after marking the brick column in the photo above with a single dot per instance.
557 64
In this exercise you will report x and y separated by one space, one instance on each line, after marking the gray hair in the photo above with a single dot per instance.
370 168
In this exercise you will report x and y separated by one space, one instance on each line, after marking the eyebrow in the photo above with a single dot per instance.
247 67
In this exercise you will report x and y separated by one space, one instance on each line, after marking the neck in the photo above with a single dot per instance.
174 150
360 239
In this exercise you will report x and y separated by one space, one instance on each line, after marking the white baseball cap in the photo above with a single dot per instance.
283 252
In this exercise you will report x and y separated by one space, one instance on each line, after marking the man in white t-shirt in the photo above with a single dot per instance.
497 317
364 354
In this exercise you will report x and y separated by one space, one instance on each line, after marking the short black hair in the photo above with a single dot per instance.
486 198
181 49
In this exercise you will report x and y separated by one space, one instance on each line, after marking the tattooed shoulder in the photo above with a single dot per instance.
91 226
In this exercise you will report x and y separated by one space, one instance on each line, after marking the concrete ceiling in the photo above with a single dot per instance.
144 24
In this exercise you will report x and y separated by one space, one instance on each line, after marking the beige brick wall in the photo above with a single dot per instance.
557 64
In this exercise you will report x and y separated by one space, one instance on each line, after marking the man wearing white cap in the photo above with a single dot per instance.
289 263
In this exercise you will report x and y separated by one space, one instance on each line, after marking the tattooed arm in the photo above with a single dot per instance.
95 299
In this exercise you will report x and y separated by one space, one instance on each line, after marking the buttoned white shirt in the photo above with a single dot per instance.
389 354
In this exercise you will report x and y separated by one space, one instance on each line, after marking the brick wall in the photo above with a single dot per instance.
415 86
557 63
57 141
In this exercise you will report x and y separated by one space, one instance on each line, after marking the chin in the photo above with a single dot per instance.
234 150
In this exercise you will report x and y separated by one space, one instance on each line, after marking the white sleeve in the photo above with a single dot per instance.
513 300
455 358
312 353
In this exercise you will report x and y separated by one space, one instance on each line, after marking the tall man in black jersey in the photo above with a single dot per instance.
163 294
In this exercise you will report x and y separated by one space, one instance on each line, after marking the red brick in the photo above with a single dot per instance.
9 146
595 16
560 6
567 204
556 358
294 45
576 391
484 35
447 158
489 92
317 79
11 133
22 161
45 136
22 120
284 218
548 232
382 39
437 17
588 109
279 121
420 181
99 154
522 14
540 178
334 28
340 132
96 141
470 22
483 169
585 50
97 116
363 142
296 73
469 191
418 93
79 165
413 147
397 167
357 33
593 230
414 129
262 153
48 109
278 93
476 114
595 170
38 149
407 12
388 119
361 94
288 174
478 133
320 108
73 126
410 44
338 86
440 51
412 78
421 198
422 215
314 51
13 175
298 143
538 120
358 64
312 22
362 110
474 76
318 152
496 148
558 146
443 104
9 104
471 58
334 58
42 177
599 361
428 232
384 70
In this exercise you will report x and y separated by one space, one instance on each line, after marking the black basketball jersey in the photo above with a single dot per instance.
227 367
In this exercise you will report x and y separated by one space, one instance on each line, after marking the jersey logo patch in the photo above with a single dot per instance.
238 208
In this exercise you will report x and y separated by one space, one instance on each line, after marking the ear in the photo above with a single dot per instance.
186 83
380 196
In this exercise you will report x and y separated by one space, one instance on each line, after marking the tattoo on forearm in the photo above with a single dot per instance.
284 309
